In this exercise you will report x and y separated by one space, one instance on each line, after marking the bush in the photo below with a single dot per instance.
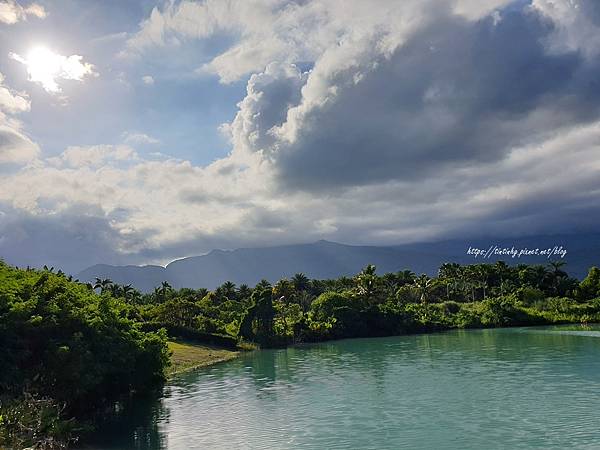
590 286
529 295
339 315
451 307
193 334
61 340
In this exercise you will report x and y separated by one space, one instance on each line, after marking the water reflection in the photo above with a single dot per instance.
133 424
503 388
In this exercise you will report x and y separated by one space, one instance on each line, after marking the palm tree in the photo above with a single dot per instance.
304 299
482 273
284 288
103 284
262 285
557 275
405 277
556 268
244 291
228 290
127 291
390 282
367 282
162 291
135 297
469 274
423 284
116 290
301 282
449 272
502 270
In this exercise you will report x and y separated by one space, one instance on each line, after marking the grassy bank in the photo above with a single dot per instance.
188 356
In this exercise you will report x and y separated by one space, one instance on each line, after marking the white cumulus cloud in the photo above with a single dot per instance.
12 12
15 146
134 138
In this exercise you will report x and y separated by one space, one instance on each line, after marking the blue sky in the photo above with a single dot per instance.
181 109
143 131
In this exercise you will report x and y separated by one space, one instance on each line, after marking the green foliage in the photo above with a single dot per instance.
335 314
257 323
191 334
63 342
529 295
590 286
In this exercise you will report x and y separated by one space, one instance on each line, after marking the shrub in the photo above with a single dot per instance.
60 339
193 334
31 422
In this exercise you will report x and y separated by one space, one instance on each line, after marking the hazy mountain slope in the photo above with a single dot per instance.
328 260
144 278
319 260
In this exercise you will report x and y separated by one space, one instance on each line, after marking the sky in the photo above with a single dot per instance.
140 132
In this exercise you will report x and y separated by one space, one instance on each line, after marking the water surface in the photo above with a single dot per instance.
504 388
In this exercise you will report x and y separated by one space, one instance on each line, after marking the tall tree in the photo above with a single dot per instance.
301 282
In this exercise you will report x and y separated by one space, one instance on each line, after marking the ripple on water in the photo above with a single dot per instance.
511 388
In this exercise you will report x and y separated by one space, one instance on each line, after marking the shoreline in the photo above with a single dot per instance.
438 331
187 356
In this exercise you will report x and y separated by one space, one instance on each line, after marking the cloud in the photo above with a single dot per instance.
147 79
15 147
46 68
10 101
159 210
576 25
142 198
94 156
134 138
406 104
12 12
285 31
69 240
362 122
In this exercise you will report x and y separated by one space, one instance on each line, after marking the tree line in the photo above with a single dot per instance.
299 309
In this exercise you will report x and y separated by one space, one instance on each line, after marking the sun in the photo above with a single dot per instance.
46 67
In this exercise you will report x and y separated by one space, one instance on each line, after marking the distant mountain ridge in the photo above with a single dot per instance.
324 259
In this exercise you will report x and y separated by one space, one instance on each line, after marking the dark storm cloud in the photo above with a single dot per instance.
70 240
458 92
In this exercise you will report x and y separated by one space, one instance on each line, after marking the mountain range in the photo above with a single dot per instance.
324 259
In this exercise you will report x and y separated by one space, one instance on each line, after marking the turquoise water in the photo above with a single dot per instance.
481 389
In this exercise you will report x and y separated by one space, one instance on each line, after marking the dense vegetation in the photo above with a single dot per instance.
300 310
65 353
70 348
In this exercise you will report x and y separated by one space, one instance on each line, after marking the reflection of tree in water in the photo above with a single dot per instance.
263 368
272 370
131 425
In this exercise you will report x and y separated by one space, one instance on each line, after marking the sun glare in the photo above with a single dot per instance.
46 67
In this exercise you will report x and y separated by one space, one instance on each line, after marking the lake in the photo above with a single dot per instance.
502 388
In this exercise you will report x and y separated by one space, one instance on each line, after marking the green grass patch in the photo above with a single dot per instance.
188 356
